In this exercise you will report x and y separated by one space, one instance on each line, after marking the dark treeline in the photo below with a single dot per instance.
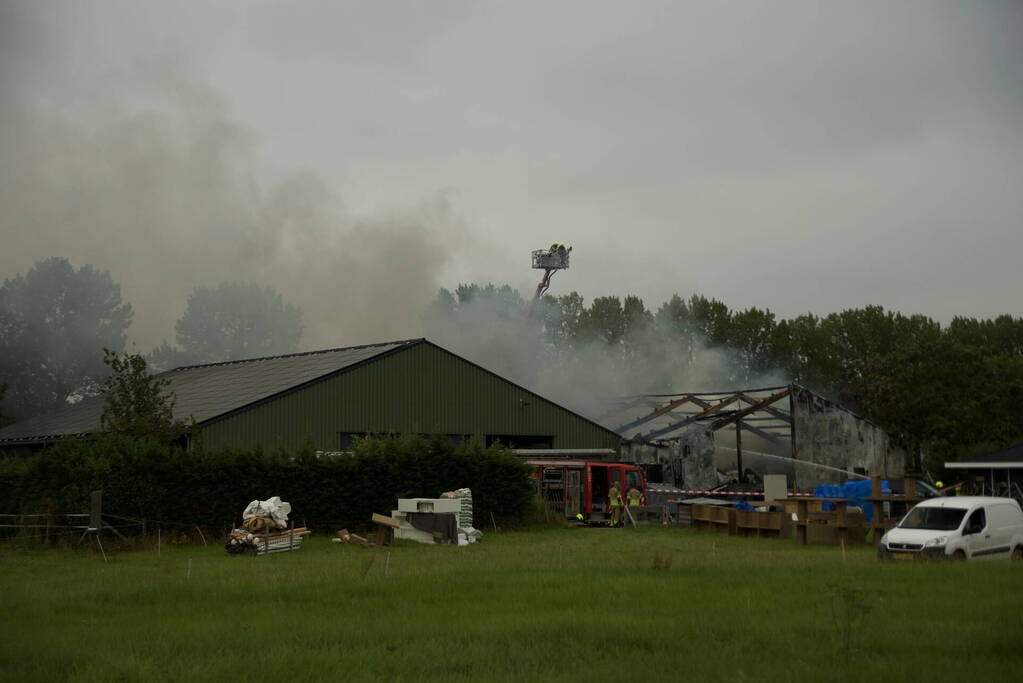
942 391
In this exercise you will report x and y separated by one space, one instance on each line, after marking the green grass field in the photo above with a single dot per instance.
546 605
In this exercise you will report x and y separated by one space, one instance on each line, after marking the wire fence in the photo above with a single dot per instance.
46 527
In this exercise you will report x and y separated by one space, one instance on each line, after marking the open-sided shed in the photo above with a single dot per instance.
821 440
996 474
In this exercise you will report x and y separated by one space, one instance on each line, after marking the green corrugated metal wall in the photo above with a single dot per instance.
420 389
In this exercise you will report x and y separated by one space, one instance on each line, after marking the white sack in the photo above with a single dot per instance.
274 508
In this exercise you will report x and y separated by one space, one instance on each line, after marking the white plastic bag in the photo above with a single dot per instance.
274 508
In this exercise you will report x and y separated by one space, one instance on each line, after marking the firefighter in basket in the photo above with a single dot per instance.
559 250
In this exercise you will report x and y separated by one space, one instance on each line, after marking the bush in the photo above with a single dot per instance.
158 482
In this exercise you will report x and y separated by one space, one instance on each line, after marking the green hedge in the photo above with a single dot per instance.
211 488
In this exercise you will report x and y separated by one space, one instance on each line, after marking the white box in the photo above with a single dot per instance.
452 505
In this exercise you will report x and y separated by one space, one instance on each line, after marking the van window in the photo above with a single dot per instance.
976 523
935 519
632 479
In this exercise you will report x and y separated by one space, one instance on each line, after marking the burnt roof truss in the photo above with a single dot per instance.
764 412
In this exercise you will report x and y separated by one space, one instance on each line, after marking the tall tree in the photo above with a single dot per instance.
137 404
940 398
504 302
710 318
605 320
638 319
802 349
678 342
55 322
233 321
1002 336
751 335
565 322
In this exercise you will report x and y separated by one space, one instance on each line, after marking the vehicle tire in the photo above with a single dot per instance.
959 556
1017 554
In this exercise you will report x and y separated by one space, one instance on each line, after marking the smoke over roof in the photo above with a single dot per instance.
357 156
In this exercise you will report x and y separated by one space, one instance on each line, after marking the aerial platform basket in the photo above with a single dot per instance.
543 259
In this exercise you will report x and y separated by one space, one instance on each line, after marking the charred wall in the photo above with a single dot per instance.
827 434
686 461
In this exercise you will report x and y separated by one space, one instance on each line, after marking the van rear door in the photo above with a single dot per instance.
1004 522
983 537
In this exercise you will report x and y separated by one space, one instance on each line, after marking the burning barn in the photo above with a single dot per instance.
702 440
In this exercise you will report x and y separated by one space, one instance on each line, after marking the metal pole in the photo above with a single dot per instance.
96 510
793 452
738 448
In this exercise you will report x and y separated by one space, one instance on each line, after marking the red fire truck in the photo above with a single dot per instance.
576 486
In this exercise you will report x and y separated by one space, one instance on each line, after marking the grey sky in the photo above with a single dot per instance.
800 156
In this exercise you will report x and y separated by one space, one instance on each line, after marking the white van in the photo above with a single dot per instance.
957 527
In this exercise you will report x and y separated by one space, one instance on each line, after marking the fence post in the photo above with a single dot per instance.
96 511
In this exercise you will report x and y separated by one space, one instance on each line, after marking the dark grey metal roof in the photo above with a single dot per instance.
207 391
1011 456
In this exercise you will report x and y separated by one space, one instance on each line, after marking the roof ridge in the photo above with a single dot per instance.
399 342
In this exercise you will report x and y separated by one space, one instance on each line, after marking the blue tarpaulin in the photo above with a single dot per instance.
856 492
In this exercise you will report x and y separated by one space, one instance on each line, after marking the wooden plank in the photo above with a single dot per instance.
386 521
841 508
802 512
384 535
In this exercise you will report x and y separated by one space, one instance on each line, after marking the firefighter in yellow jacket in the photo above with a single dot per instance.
634 497
614 497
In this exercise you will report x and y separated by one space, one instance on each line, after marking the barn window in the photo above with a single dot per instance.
520 440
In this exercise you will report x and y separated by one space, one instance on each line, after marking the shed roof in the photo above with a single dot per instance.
1010 457
203 392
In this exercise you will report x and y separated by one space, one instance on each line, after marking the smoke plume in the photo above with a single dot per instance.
146 173
493 327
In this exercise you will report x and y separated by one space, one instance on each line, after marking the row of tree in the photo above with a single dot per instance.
945 391
56 321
